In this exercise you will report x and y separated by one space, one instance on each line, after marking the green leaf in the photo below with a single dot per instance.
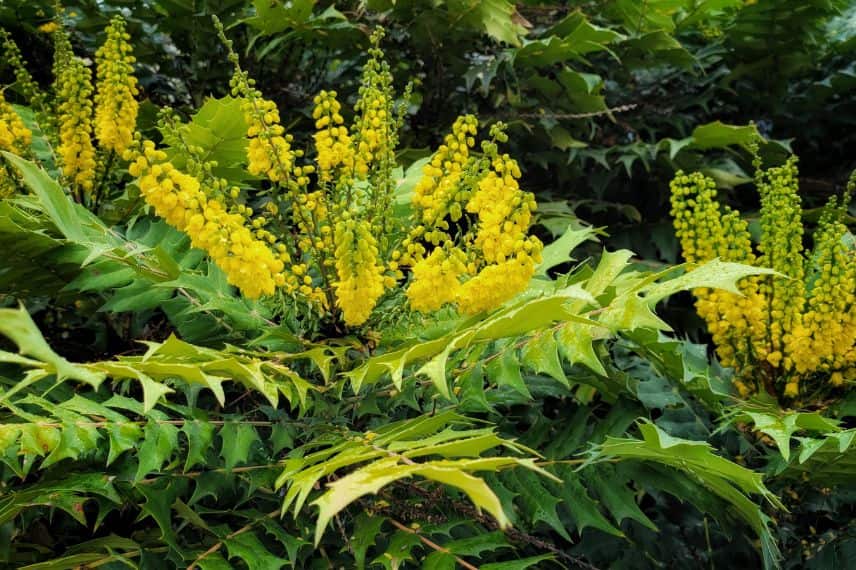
536 502
576 346
238 440
497 18
439 561
583 509
505 371
617 498
68 216
721 135
247 547
200 436
559 251
20 329
123 437
159 442
714 274
476 545
728 480
366 532
541 354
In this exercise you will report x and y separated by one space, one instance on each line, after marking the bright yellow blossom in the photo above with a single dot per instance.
115 103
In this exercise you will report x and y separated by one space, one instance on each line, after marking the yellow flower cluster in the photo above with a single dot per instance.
788 331
115 103
339 242
360 276
737 323
74 95
333 145
440 196
504 214
181 200
824 338
494 257
269 151
49 27
15 137
436 279
373 128
782 250
495 284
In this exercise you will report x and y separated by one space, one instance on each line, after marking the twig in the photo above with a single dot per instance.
432 544
546 115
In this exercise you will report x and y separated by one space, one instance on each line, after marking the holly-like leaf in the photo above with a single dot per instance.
559 251
238 440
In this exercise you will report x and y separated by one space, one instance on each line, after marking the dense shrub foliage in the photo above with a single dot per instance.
301 284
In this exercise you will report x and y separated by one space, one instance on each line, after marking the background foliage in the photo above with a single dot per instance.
601 437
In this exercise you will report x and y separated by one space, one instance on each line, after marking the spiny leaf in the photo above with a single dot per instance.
247 547
200 436
714 274
20 329
366 531
238 439
159 442
559 251
541 354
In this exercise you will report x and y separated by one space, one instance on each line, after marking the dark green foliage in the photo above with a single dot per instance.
152 418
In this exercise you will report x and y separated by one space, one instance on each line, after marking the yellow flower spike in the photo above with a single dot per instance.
436 280
180 199
74 96
494 285
333 146
116 105
360 277
373 131
785 330
15 137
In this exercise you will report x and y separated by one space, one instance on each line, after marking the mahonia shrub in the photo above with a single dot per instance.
322 229
792 333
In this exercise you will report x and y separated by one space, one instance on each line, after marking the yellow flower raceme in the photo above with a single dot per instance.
115 103
15 137
333 145
782 250
736 322
786 330
496 250
825 338
179 198
495 284
74 94
436 279
373 131
269 151
504 213
439 193
360 277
